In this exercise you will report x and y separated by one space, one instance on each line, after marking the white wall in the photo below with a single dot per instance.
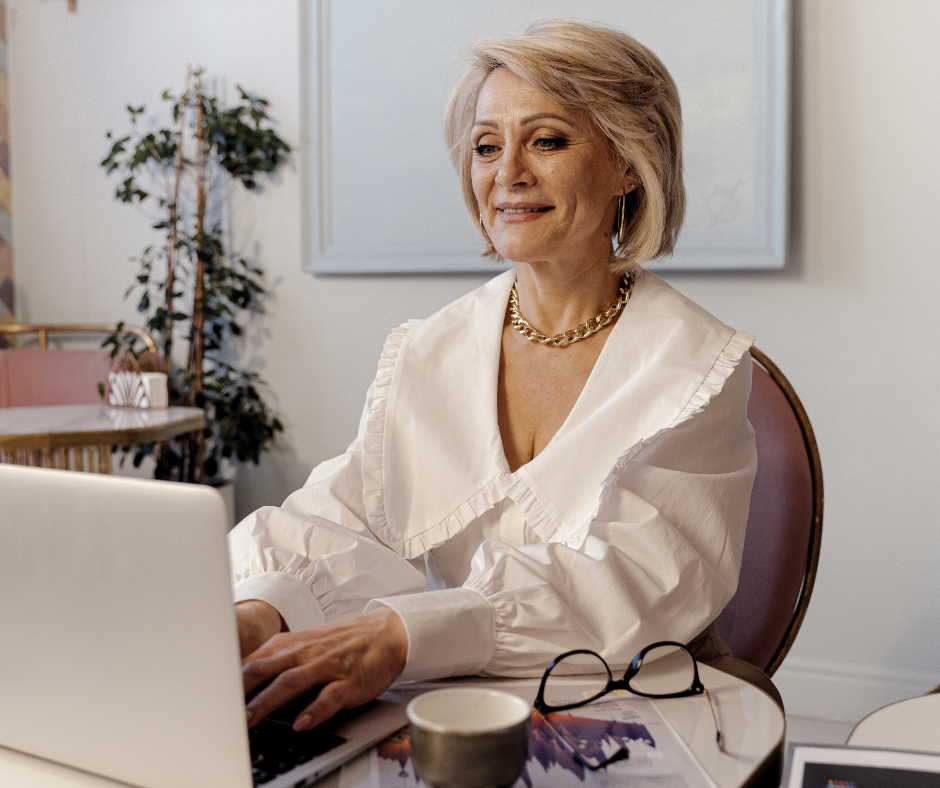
853 321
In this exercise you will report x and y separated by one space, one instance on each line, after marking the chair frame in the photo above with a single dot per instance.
815 541
42 330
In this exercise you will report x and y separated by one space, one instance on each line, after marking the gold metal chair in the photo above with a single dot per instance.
42 331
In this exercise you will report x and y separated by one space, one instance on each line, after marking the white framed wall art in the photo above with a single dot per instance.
380 195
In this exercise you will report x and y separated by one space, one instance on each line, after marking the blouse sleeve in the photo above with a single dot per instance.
313 558
659 561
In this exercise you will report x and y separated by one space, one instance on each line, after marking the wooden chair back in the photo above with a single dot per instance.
784 528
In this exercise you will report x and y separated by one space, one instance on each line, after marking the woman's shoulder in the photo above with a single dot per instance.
662 328
696 351
653 295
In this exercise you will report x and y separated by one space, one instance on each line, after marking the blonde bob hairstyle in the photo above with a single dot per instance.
628 95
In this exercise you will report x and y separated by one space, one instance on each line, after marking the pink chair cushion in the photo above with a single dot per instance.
778 529
29 376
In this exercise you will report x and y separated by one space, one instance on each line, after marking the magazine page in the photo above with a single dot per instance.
658 758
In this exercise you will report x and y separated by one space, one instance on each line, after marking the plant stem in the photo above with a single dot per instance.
171 252
197 346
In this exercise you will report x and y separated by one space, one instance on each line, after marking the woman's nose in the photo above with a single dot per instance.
513 168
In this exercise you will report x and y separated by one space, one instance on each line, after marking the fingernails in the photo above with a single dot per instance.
301 722
249 715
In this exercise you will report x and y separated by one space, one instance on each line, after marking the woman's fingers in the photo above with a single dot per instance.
332 698
258 669
285 687
355 660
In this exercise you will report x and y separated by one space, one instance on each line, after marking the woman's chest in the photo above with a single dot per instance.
538 387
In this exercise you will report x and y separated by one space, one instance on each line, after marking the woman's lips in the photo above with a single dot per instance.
521 212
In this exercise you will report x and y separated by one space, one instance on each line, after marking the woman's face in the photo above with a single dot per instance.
542 175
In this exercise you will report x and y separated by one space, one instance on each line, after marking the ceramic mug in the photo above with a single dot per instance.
469 737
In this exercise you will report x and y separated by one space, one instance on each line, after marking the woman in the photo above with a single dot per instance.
508 499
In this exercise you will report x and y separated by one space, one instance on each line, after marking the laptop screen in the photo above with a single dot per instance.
120 652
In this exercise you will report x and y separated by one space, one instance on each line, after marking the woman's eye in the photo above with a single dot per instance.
550 143
484 151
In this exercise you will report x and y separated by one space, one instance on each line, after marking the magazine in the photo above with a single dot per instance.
658 757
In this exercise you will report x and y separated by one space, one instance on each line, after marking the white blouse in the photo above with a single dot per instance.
626 529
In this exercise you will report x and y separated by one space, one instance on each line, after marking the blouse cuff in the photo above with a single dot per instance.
450 632
286 594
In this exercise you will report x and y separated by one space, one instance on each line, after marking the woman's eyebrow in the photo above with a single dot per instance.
542 116
526 120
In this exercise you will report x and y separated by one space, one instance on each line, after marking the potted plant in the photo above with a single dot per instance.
195 292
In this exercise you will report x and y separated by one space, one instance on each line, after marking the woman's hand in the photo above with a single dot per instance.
258 622
354 660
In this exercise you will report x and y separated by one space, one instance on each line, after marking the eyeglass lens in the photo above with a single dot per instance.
669 670
664 670
591 674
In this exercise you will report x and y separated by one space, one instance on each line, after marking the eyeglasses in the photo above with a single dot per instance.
661 670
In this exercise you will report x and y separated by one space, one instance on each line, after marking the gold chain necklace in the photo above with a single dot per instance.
574 334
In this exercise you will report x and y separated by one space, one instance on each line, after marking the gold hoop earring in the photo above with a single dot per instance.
486 236
620 222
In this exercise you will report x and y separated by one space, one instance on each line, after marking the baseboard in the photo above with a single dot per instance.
846 691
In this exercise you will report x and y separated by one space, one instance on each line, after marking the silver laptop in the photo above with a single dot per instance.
119 647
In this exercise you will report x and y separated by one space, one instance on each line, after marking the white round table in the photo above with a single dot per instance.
912 724
752 725
80 437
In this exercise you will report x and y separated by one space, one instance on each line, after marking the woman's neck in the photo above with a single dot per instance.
555 298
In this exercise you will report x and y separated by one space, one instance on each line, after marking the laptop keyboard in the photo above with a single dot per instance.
277 748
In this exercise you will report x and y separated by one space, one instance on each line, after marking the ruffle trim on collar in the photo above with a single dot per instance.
721 370
500 487
373 471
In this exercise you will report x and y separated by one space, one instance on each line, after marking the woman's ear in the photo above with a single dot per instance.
630 182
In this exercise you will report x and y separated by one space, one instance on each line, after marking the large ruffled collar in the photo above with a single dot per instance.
434 458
